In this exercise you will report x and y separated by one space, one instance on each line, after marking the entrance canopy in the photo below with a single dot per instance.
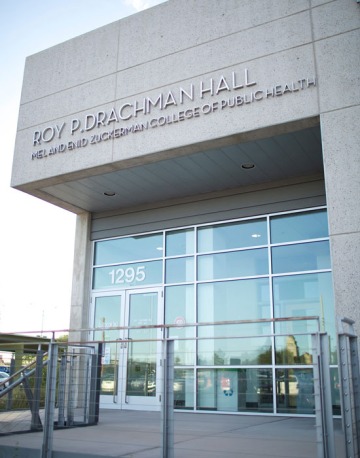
27 344
217 166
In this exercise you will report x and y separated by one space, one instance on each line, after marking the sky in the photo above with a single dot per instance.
37 238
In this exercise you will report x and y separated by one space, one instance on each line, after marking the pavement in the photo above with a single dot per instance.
135 434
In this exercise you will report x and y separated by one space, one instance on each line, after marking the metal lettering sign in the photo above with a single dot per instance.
146 114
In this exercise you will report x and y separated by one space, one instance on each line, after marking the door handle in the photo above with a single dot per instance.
125 343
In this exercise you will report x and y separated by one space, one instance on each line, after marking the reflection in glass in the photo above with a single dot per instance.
141 363
126 249
234 301
295 391
335 390
235 390
180 242
301 257
180 309
232 235
179 270
234 264
107 314
302 296
108 384
299 226
292 349
233 352
184 389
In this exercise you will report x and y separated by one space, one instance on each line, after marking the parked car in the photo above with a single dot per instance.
108 384
3 378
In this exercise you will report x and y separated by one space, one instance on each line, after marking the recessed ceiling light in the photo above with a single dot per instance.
247 165
109 193
255 236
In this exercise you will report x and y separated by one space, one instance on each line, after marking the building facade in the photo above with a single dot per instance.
211 152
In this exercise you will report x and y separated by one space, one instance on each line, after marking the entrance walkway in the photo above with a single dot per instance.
133 434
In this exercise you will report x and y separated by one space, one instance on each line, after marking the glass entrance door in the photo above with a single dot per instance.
130 370
144 349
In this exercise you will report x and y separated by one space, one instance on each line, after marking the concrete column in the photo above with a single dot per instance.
338 61
341 150
80 297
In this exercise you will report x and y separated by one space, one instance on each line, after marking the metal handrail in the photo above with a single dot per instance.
21 379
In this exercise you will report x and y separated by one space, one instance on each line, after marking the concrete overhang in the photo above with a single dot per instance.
264 156
24 343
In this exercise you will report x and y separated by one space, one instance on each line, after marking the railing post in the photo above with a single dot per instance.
168 401
95 379
47 445
71 390
322 394
10 395
349 386
35 416
61 390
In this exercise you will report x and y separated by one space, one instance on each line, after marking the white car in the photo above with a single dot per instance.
3 377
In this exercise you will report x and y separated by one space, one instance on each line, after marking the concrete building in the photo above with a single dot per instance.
210 149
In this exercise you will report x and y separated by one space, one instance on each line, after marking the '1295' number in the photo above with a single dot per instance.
128 275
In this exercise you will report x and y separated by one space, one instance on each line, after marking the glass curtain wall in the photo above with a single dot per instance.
252 270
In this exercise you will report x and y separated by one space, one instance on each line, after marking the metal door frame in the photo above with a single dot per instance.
144 403
119 399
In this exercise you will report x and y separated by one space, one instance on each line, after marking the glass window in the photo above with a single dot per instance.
295 391
299 226
294 349
224 363
335 390
229 301
180 309
301 296
232 235
234 300
141 361
301 257
107 315
179 270
215 351
246 263
128 249
128 275
235 390
180 242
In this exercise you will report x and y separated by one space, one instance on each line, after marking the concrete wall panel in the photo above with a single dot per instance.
345 252
341 153
238 48
339 15
197 22
314 3
338 64
80 295
78 61
341 139
54 107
